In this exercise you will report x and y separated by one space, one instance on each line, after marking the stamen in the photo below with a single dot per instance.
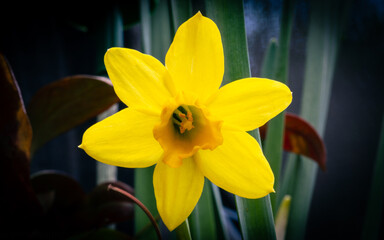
183 119
182 109
176 117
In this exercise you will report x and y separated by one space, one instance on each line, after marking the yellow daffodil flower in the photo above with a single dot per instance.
181 120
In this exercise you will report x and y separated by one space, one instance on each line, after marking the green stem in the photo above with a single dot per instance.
326 21
202 219
181 11
255 215
273 148
223 224
183 232
156 32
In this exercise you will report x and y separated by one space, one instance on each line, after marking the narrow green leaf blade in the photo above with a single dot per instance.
162 31
268 67
229 17
181 11
183 232
255 215
325 26
274 140
256 218
202 220
145 193
221 215
157 36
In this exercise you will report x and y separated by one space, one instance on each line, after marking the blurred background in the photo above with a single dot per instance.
46 43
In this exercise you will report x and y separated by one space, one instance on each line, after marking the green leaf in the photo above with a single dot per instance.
145 192
202 220
66 103
276 67
183 232
324 34
221 215
268 67
107 32
255 215
157 36
375 206
282 54
229 17
146 23
162 30
181 12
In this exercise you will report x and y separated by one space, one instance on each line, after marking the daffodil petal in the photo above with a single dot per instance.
124 139
238 166
177 191
139 80
249 103
195 58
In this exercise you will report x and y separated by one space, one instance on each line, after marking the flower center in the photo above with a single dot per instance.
183 119
184 130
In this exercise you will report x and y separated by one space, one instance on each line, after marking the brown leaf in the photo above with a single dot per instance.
62 199
66 103
18 202
15 128
301 138
109 206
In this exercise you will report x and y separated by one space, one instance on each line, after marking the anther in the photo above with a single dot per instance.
182 109
176 117
183 119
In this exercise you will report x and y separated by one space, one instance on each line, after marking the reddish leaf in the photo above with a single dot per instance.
15 129
68 209
301 138
57 191
101 194
102 234
18 202
66 103
109 206
62 198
